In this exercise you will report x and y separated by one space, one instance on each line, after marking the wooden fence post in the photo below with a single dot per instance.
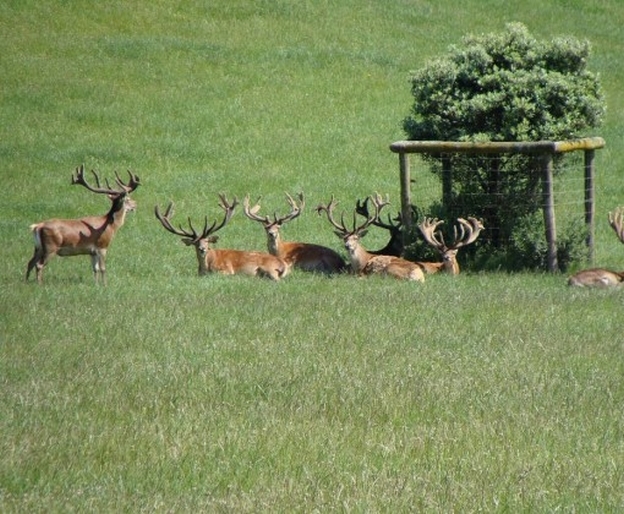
406 198
590 209
447 182
549 211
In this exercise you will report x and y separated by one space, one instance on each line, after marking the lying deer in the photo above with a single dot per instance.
91 235
601 277
363 262
228 262
467 233
304 256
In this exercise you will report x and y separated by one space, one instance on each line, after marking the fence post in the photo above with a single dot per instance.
447 183
590 209
549 211
406 199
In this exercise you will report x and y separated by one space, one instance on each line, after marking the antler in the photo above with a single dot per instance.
251 213
295 211
468 232
393 225
133 183
229 211
434 237
378 204
329 210
616 222
165 220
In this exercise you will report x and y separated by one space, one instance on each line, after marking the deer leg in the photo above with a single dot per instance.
33 262
272 273
98 264
38 259
40 264
102 265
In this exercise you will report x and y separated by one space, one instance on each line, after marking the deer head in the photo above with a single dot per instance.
272 226
120 197
464 234
351 236
200 240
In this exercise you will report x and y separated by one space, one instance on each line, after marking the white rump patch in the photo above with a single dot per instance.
35 230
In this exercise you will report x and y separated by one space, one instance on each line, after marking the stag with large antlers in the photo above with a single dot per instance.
304 256
601 277
91 235
363 262
228 262
465 233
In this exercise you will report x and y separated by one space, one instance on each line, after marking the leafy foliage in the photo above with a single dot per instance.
506 87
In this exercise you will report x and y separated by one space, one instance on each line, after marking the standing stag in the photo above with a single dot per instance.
304 256
91 235
466 234
601 277
228 262
363 262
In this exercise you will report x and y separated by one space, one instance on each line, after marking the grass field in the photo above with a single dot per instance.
167 392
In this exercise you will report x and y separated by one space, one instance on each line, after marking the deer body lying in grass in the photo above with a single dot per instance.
601 277
228 262
466 232
303 256
363 262
91 235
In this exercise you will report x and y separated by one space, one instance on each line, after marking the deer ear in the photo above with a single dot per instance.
187 241
212 239
339 234
363 233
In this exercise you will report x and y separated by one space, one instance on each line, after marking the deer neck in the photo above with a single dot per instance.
274 241
205 256
395 245
358 255
451 265
116 216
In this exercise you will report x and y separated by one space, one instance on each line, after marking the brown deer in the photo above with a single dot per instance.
466 234
304 256
91 235
363 262
393 226
228 262
601 277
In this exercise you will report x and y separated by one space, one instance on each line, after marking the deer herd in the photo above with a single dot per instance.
92 235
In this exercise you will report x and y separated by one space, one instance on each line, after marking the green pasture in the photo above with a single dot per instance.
166 392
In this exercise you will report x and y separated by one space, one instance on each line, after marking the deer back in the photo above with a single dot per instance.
596 277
